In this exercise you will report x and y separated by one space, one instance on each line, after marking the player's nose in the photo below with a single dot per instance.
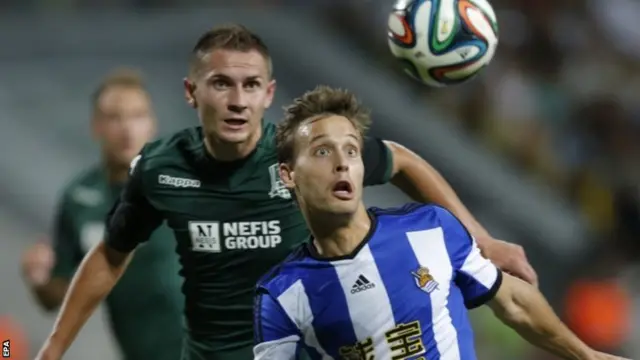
237 101
341 164
342 168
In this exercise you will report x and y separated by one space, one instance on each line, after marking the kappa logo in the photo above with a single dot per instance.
178 182
424 280
277 186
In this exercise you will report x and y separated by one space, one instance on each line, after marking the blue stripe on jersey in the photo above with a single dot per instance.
331 319
395 264
265 308
460 320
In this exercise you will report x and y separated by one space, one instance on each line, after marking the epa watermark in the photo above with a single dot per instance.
6 349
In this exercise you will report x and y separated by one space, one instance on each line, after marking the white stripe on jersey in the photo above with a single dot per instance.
296 304
431 251
281 349
479 268
363 305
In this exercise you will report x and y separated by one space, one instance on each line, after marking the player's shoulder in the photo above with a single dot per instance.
86 187
169 150
416 217
269 128
268 141
284 275
426 212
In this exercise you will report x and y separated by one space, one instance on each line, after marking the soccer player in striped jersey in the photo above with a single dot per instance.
380 284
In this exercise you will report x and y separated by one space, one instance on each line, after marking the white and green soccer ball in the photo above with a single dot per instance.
443 42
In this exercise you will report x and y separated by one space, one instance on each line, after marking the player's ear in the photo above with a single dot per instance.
189 90
271 91
287 175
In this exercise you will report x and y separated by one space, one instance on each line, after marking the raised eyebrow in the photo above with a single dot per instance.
317 137
354 136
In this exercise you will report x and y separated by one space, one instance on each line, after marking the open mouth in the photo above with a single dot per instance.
343 190
235 122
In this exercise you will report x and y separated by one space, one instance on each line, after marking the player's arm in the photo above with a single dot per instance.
276 336
523 308
130 222
389 161
49 291
50 294
516 303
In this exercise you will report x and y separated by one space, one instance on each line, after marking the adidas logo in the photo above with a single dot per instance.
362 284
464 53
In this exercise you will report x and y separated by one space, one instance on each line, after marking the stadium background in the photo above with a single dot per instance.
543 147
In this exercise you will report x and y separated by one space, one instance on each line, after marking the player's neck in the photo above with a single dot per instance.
339 237
224 151
116 173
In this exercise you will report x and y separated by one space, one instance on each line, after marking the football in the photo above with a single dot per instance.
443 42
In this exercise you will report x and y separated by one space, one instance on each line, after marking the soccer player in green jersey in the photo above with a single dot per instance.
217 187
145 308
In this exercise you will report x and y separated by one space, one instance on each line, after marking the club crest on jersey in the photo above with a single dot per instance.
277 186
424 280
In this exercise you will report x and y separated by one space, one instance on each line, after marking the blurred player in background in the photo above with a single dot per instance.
218 187
380 283
145 308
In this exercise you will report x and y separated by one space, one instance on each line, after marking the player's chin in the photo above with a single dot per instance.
122 158
339 206
233 136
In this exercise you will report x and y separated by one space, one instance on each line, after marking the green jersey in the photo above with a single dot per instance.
233 221
147 297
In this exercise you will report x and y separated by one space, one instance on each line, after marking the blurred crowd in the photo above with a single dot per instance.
560 102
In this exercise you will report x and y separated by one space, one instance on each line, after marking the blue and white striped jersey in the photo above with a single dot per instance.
402 294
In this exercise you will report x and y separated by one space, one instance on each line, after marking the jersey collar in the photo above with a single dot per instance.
313 253
210 165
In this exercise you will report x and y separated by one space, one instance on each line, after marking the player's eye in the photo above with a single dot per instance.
352 152
252 85
219 84
322 151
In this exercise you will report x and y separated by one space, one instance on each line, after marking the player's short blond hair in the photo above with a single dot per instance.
120 77
322 101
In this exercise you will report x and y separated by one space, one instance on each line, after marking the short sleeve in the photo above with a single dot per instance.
276 336
477 278
378 162
132 218
66 243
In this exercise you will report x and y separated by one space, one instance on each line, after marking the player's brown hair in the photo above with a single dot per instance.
234 37
321 102
121 77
